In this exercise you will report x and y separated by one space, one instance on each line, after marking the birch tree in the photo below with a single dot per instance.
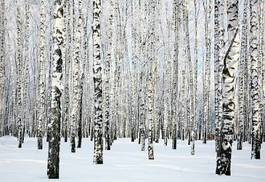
76 104
142 79
243 75
255 82
206 81
194 132
151 76
69 40
262 63
107 77
2 63
176 8
57 63
19 60
219 54
190 86
97 77
224 152
41 101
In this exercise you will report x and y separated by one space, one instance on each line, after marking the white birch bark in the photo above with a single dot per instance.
206 81
107 77
57 87
75 108
176 9
2 63
26 73
218 63
97 77
19 62
151 76
262 61
190 85
68 19
228 76
243 81
255 80
41 83
133 71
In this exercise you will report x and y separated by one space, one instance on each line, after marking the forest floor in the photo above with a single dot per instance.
126 163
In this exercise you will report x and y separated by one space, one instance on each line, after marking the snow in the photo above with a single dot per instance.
126 163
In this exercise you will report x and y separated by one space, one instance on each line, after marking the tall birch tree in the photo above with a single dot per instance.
219 54
76 102
176 9
107 76
195 125
2 63
97 77
151 76
231 59
41 100
206 81
255 82
243 77
57 64
19 66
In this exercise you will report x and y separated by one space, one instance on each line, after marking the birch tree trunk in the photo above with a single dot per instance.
255 82
80 129
195 126
41 100
107 81
19 60
150 110
141 115
190 101
151 76
142 95
75 109
176 9
68 52
133 71
243 81
2 64
97 77
228 76
218 63
206 80
49 65
260 58
262 65
57 64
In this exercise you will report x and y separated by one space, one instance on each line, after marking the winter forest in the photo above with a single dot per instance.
132 90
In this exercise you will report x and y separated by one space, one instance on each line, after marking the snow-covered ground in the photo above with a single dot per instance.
126 163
